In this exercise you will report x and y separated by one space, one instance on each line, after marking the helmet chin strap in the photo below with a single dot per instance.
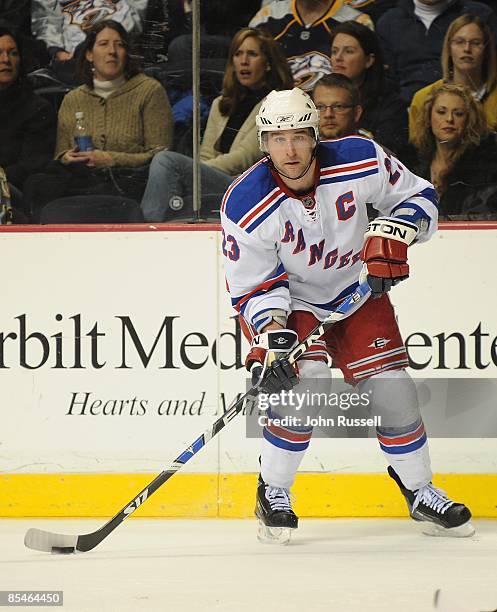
293 178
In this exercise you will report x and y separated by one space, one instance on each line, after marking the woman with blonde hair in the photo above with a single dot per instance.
255 66
469 59
456 151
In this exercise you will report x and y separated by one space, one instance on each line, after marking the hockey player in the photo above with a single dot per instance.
296 242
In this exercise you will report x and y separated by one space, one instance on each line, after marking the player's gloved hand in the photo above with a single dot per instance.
267 363
385 253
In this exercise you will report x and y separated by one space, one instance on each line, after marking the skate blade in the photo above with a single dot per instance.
463 531
273 535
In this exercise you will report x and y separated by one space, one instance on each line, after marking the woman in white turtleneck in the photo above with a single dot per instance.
105 88
127 113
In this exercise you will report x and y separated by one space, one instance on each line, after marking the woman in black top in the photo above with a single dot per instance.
27 132
356 53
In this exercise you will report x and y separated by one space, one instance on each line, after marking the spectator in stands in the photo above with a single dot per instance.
127 114
255 66
337 100
456 151
15 15
469 59
27 131
355 52
63 25
412 35
302 28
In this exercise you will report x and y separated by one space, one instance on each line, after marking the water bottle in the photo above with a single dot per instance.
82 139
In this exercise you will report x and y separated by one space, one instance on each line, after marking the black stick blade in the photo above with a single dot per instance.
57 543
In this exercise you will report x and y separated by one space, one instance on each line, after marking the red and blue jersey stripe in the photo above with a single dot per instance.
278 279
252 198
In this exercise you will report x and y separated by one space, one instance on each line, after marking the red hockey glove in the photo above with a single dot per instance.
385 253
267 362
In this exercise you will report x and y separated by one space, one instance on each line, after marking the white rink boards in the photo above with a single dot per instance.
156 326
119 347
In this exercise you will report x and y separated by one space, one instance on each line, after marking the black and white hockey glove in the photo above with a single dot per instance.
267 363
385 253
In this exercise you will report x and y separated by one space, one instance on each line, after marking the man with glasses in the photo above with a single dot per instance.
296 243
337 101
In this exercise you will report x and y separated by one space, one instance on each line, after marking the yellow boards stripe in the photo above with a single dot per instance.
226 495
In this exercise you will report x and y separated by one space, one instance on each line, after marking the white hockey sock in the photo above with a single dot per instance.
279 466
406 450
402 435
283 447
413 467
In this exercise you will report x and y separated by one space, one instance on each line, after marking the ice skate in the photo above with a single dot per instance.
274 511
440 515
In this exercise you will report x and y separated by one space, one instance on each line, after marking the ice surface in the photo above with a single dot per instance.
339 565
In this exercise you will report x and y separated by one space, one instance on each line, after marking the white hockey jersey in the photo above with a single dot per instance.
280 254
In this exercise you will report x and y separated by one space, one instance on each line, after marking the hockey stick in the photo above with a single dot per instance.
46 541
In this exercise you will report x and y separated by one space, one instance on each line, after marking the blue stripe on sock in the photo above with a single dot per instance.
291 446
407 448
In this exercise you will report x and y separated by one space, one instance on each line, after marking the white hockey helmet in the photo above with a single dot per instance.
290 109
